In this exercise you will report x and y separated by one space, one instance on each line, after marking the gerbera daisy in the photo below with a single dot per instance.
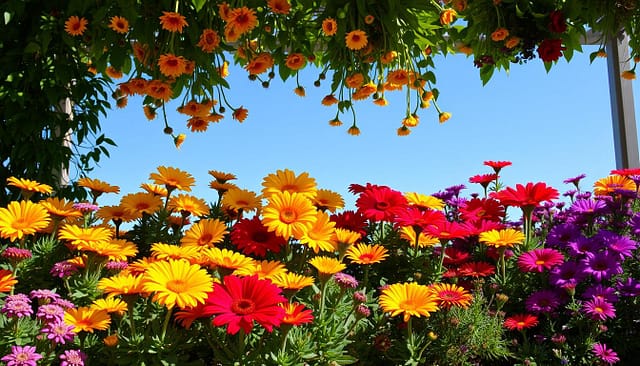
543 301
355 80
119 24
447 230
7 280
177 283
451 295
60 208
287 180
476 269
173 22
251 237
484 179
609 185
241 199
526 196
154 189
172 65
296 314
408 299
521 321
81 237
279 6
260 63
398 77
241 301
424 201
321 235
356 39
329 26
141 203
121 284
497 165
366 253
240 114
537 260
85 319
424 239
173 178
289 214
188 205
606 355
329 100
170 251
262 269
205 233
328 200
29 187
222 177
351 220
502 238
110 305
418 219
227 260
327 266
97 187
295 61
75 26
478 209
291 282
159 90
23 218
209 40
114 250
380 203
602 265
117 214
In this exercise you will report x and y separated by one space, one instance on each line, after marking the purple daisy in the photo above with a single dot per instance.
602 265
455 190
628 287
588 207
568 274
44 296
561 235
538 260
543 301
570 193
443 195
22 356
18 305
583 195
59 332
85 207
73 357
621 245
601 292
65 304
581 246
575 180
345 281
635 224
599 309
50 312
605 354
63 269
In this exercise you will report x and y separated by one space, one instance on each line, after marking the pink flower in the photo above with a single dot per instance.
538 260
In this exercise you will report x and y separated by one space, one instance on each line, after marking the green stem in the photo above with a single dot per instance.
166 324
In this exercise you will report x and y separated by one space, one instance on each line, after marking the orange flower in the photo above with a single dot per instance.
369 19
388 57
159 90
224 69
279 6
119 24
240 114
398 77
403 131
149 112
628 74
447 16
259 64
172 65
140 52
224 11
209 40
295 61
173 22
329 27
356 39
7 280
354 81
299 90
329 100
499 34
75 26
353 130
444 117
512 42
241 20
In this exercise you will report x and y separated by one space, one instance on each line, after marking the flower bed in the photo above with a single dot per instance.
504 275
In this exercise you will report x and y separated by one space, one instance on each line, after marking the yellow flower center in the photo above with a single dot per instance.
177 286
20 224
598 309
243 306
539 262
288 216
408 305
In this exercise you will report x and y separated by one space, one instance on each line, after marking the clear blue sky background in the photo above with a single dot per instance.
551 126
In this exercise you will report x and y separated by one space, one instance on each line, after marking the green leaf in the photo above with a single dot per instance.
486 73
198 4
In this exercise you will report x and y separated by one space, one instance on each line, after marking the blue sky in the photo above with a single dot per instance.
552 126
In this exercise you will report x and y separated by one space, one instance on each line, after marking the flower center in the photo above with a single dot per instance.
243 306
598 309
259 237
408 305
205 238
288 216
366 257
22 356
540 262
177 286
20 224
382 205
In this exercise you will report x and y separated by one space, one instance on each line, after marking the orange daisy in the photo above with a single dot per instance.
141 203
75 26
367 253
188 205
295 61
7 280
172 65
241 20
173 178
329 27
222 177
173 22
209 40
240 114
279 6
608 185
159 90
119 24
356 40
259 64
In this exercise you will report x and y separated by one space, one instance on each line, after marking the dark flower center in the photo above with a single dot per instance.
243 306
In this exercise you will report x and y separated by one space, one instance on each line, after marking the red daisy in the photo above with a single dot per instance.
454 256
521 321
477 269
481 226
538 259
243 300
251 237
483 179
296 314
478 209
526 196
497 165
356 188
447 230
381 203
419 219
627 172
351 220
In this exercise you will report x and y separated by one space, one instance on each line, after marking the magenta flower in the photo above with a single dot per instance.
543 301
605 354
345 281
73 358
599 309
17 305
538 260
50 312
44 296
22 356
59 332
568 274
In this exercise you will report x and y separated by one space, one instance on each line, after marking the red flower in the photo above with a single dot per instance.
521 321
497 165
351 220
296 314
419 219
557 22
252 237
454 256
483 179
381 203
188 315
243 300
481 226
477 269
478 209
626 172
356 188
446 230
526 197
550 50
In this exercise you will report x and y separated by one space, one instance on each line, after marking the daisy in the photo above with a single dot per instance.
20 219
7 280
240 114
60 208
205 233
521 321
408 299
423 201
608 185
367 253
81 238
477 269
526 196
226 260
327 200
251 237
329 27
85 319
353 221
451 295
177 283
279 6
602 265
502 238
327 266
537 260
29 187
296 314
380 203
75 26
170 251
110 305
291 281
188 205
263 269
605 354
172 65
241 20
321 235
173 178
222 177
119 24
117 214
497 165
599 309
356 40
141 203
543 301
287 181
209 40
241 199
173 22
121 284
289 214
22 356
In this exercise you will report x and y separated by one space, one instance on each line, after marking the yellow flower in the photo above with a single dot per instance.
292 281
7 280
170 251
222 177
204 233
171 65
121 284
264 269
403 131
154 189
367 253
327 266
444 117
60 208
447 16
287 181
423 201
502 238
177 283
83 238
356 40
328 200
321 235
289 214
114 250
409 299
241 199
110 305
353 130
117 214
85 319
610 184
227 259
97 187
187 204
23 218
173 178
628 74
424 240
451 295
139 203
28 186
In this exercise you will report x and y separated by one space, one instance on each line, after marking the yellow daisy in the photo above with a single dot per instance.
424 201
328 200
288 214
327 266
226 260
367 253
408 299
221 177
502 238
205 233
241 199
23 218
121 284
188 205
292 281
264 269
85 319
177 283
97 187
173 178
287 181
170 251
321 235
29 187
110 305
141 203
154 189
424 240
60 208
82 238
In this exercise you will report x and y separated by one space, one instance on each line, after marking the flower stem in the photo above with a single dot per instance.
166 324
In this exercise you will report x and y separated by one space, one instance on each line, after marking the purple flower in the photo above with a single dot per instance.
635 224
543 301
455 190
562 235
17 254
602 265
588 207
363 310
63 269
45 296
116 266
85 207
22 356
50 312
570 193
582 246
73 358
568 274
443 195
601 292
59 332
583 195
575 180
17 305
628 287
599 309
621 245
605 354
65 304
345 281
